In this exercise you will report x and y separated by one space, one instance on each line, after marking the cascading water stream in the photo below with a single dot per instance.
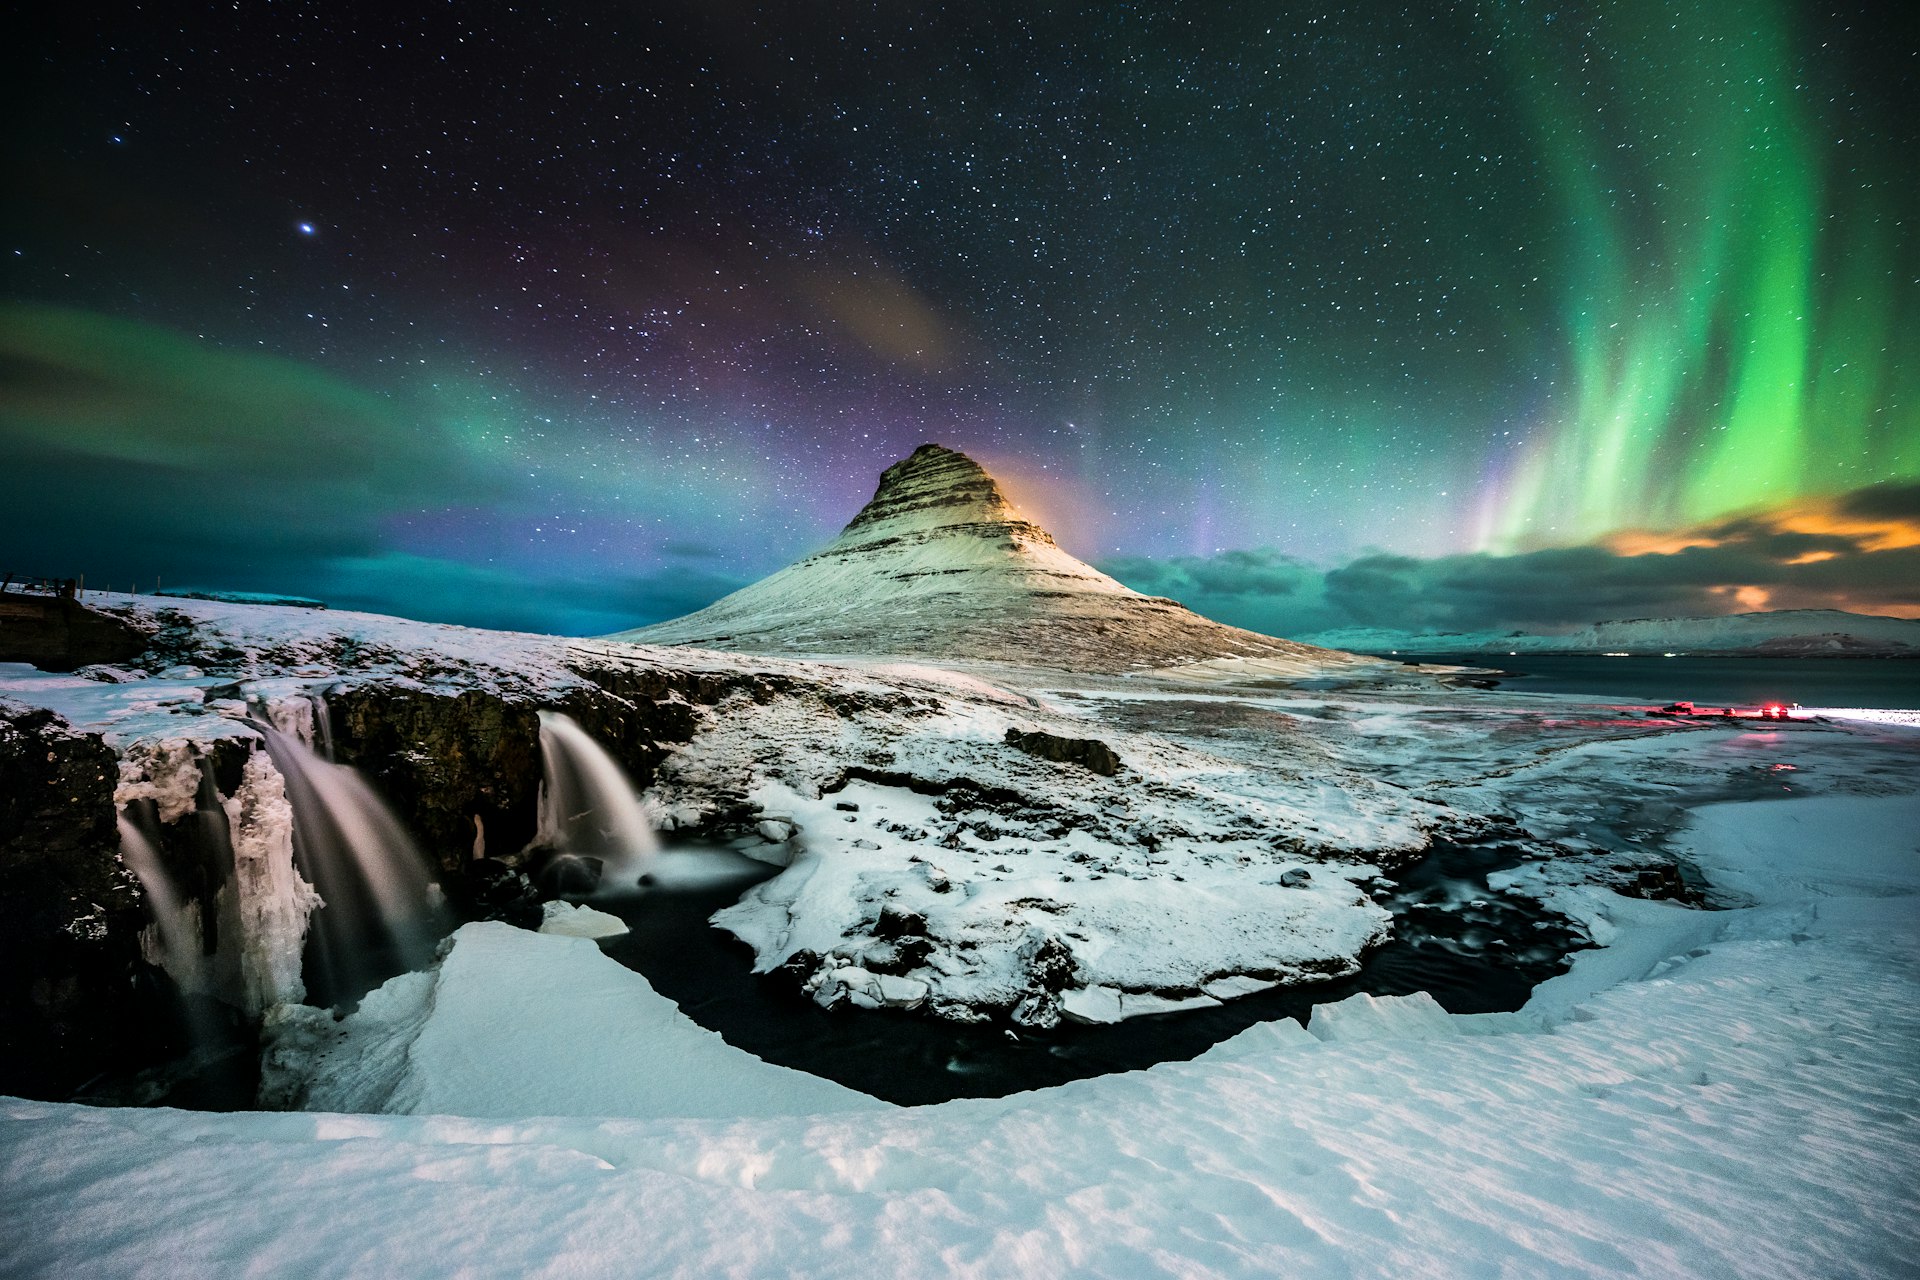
380 914
175 943
322 727
588 809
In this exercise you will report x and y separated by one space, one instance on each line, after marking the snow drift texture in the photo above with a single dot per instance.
1717 1094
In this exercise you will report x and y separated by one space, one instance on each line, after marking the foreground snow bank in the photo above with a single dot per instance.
1727 1093
512 1023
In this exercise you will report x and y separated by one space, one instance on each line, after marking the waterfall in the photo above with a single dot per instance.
301 714
379 914
173 942
322 741
588 810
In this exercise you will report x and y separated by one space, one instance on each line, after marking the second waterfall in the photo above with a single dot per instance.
591 822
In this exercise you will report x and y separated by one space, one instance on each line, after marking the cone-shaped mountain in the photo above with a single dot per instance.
938 565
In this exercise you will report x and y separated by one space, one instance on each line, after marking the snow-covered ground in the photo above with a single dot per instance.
1729 1093
1206 867
512 1024
1873 715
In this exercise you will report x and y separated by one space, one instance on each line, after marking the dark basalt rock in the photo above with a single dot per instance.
897 922
1091 753
899 957
70 913
1660 884
492 890
445 760
568 874
791 974
56 633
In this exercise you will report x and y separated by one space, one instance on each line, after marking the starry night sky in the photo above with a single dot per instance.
576 316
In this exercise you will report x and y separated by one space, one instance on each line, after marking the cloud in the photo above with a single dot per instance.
1858 551
1895 500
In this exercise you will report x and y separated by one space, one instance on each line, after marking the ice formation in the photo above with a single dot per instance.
266 903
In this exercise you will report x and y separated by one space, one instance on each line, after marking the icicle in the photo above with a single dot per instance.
167 773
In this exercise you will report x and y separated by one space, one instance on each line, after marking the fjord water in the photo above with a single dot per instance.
1892 683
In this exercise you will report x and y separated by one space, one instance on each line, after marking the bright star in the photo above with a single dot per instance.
305 228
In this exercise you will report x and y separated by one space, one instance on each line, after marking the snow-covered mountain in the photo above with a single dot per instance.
1788 633
940 565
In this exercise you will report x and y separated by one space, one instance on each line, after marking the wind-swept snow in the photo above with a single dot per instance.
513 1023
1742 1105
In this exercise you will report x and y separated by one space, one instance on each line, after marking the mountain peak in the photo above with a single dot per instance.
931 488
939 565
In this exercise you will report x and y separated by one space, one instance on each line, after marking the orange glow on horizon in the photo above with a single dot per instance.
1647 542
1871 534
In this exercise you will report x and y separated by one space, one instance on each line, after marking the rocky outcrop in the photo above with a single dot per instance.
940 565
463 769
70 914
56 633
1090 753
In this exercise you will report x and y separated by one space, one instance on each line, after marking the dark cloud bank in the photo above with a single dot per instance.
1842 554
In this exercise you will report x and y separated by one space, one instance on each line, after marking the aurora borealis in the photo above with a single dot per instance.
575 317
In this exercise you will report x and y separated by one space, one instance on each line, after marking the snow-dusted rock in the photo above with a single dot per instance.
573 920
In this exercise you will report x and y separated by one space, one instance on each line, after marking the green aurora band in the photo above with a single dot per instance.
1731 278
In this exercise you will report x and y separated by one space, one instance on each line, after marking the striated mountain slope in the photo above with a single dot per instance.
938 564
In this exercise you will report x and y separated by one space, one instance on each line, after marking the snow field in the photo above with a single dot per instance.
1747 1110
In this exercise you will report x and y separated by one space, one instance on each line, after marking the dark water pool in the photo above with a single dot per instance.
1475 951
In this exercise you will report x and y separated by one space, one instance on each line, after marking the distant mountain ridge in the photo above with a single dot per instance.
939 565
1785 633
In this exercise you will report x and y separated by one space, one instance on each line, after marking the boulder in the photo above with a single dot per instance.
1089 753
